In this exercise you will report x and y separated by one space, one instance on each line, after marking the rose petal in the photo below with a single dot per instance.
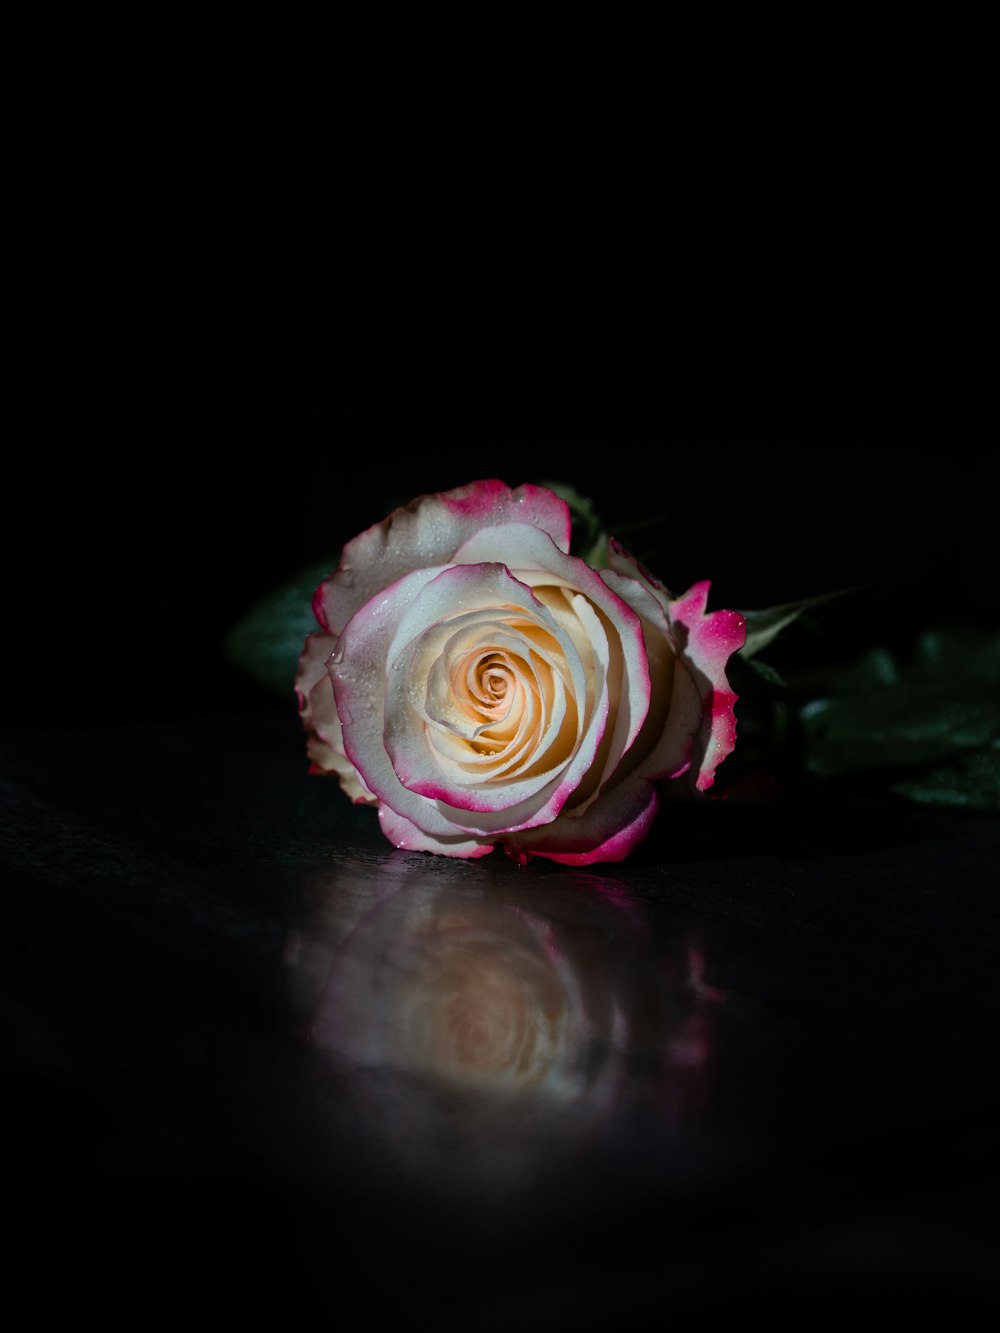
401 833
711 639
318 710
677 704
610 828
705 642
427 532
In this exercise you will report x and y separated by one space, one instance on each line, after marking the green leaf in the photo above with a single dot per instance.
934 711
763 627
267 642
910 723
970 781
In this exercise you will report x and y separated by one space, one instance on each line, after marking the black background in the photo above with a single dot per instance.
136 538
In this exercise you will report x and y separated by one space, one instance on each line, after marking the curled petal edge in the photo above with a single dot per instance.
609 830
434 525
708 639
321 722
705 641
405 835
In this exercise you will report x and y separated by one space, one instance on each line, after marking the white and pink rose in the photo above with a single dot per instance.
482 687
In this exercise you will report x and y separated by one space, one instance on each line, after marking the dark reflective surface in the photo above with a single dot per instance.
259 1066
491 1029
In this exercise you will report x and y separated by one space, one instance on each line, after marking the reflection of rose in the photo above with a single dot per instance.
465 991
487 1032
479 685
484 1010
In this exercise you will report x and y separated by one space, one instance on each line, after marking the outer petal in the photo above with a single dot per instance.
401 833
318 710
426 532
708 639
608 830
676 708
705 642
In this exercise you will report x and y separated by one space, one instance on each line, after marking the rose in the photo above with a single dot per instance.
481 686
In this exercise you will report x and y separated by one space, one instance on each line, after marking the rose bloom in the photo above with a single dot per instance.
480 686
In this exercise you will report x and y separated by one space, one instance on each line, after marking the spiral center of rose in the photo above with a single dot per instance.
502 696
504 699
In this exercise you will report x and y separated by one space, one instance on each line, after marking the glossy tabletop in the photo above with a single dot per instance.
260 1065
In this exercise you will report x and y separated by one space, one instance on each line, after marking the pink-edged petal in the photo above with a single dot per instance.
426 532
318 710
707 640
315 654
674 751
609 830
401 833
676 708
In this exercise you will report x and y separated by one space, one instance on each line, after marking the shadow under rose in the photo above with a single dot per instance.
484 1033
